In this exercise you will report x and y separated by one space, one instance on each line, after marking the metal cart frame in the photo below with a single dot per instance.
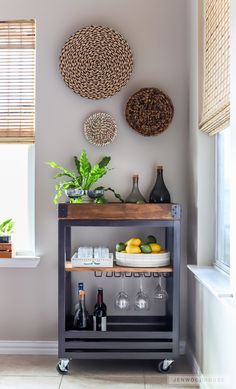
129 337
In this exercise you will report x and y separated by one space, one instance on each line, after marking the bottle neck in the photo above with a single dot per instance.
100 297
160 173
82 300
135 182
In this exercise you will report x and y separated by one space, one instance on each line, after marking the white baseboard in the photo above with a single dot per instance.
195 367
28 347
44 347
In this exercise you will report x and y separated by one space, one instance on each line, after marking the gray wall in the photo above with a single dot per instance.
156 32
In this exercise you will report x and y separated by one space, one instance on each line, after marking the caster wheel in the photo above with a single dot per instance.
63 366
165 366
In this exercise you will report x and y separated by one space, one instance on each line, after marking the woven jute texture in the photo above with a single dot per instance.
149 111
96 62
100 129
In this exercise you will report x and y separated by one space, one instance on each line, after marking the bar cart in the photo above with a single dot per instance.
127 337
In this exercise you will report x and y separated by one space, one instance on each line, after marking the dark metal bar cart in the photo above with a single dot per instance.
127 337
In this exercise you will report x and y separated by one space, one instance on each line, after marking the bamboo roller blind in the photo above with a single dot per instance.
17 81
216 83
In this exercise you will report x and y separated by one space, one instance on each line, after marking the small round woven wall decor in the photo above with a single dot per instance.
149 111
96 62
100 129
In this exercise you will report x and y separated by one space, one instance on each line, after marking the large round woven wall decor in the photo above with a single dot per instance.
96 62
100 129
149 111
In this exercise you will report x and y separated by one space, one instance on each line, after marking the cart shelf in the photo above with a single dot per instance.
119 269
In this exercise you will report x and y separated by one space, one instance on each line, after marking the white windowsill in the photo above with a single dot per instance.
20 261
213 279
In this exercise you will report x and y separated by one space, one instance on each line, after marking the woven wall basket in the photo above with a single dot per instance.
149 111
96 62
100 129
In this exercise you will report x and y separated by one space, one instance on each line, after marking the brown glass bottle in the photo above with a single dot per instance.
135 196
159 193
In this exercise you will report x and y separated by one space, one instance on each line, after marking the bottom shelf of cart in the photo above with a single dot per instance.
145 354
125 326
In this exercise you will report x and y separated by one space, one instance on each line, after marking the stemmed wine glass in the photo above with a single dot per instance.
160 293
122 301
142 301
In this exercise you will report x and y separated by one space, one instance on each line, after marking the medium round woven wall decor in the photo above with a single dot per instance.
96 62
100 129
149 111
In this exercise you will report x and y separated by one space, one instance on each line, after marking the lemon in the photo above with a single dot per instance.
133 242
131 249
156 248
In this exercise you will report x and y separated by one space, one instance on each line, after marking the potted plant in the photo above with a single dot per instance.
6 230
77 184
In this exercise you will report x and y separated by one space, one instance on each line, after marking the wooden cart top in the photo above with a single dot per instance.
119 211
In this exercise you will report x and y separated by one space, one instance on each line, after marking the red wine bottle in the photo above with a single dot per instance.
100 313
159 193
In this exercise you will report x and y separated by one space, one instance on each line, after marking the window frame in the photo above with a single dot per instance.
218 263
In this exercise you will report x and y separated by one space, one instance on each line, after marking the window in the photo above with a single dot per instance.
17 193
17 81
215 113
223 154
17 129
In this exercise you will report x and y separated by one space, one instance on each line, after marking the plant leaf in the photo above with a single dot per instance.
66 172
117 195
7 226
54 165
85 166
77 164
104 162
62 175
95 174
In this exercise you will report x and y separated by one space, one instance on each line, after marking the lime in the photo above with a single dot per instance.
145 248
151 239
120 247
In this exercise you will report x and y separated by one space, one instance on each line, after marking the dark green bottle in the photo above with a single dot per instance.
159 193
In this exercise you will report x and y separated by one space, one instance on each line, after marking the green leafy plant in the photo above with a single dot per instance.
83 178
6 227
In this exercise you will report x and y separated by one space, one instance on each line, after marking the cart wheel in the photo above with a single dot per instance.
165 366
63 366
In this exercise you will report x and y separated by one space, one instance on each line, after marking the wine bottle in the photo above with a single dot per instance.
159 193
100 291
135 196
81 319
80 287
100 313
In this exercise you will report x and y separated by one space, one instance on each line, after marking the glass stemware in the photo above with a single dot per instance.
122 301
160 293
142 301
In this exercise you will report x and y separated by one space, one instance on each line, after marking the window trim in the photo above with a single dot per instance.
217 263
